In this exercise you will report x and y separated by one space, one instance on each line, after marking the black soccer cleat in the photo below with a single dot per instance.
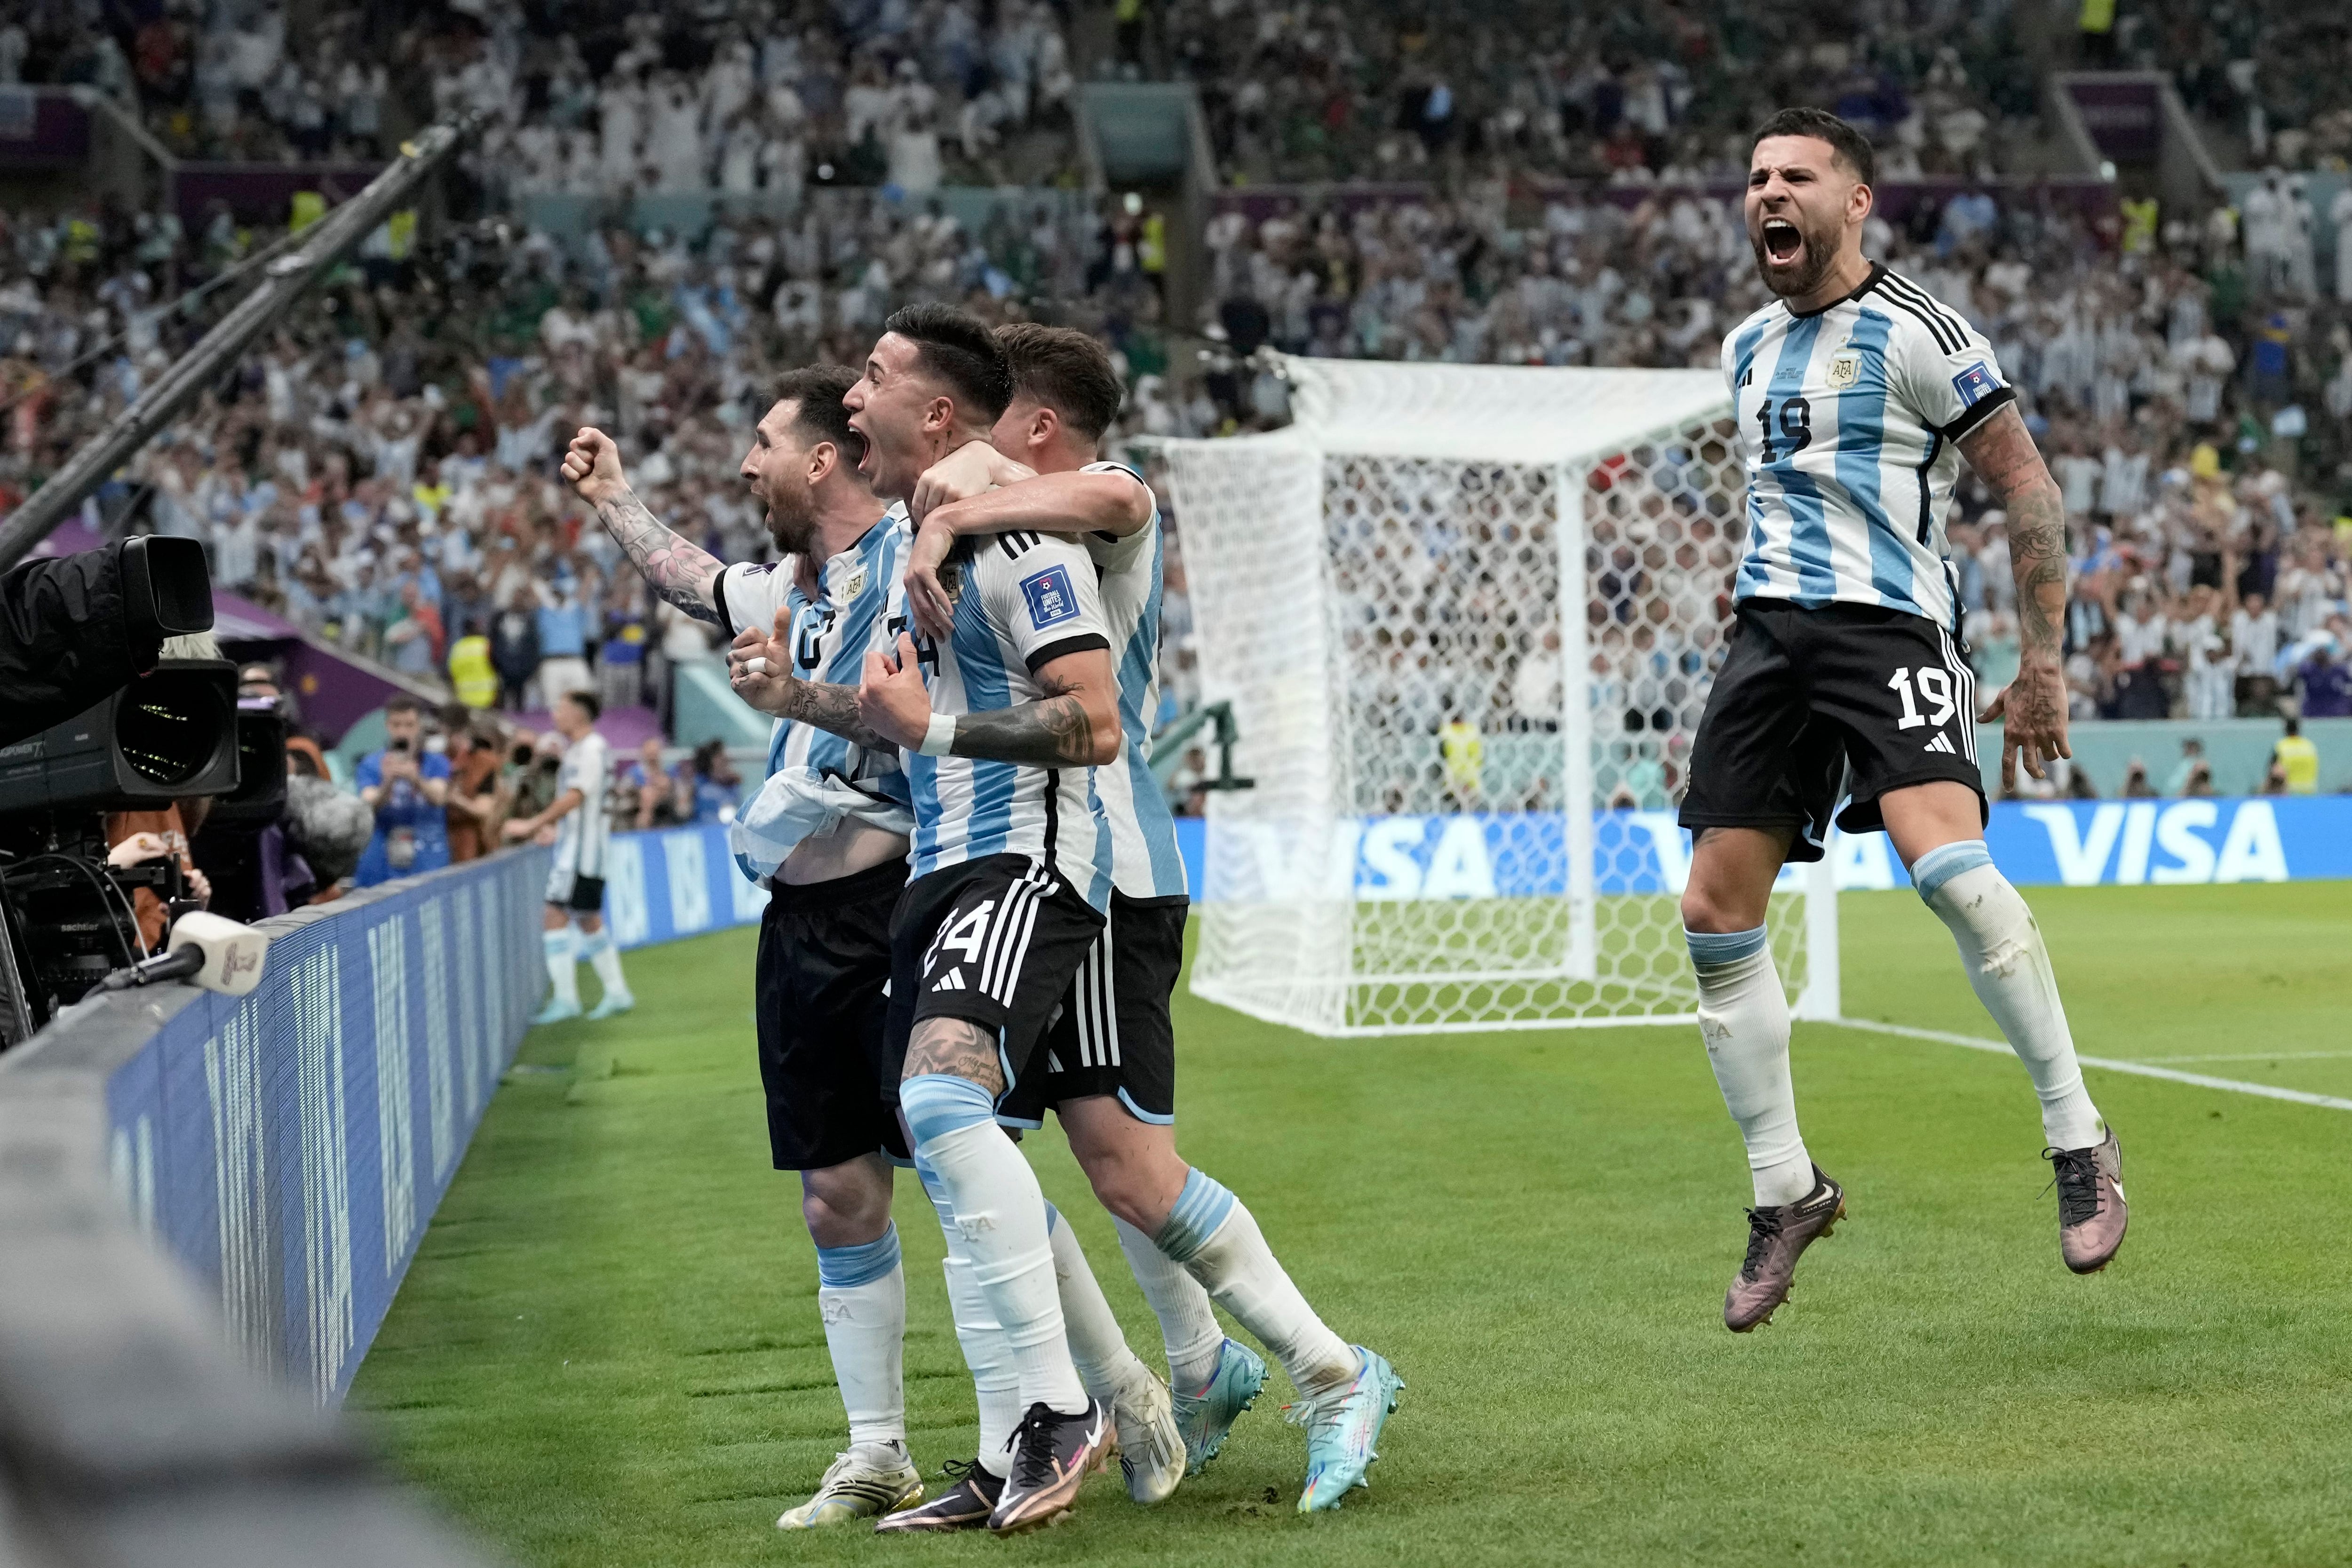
964 1506
1053 1454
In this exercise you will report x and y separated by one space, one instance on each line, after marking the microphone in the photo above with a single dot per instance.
216 953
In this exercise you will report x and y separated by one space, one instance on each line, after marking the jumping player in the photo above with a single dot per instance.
1110 1067
1856 395
575 882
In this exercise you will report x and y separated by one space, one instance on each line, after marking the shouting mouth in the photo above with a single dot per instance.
1783 244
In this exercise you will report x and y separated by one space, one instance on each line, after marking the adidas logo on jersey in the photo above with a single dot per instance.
1940 743
953 980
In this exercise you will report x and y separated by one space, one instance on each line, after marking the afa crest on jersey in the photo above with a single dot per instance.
1844 369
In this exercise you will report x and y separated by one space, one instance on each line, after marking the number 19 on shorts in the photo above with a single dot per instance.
1934 684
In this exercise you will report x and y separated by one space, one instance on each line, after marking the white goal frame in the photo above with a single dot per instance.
1287 935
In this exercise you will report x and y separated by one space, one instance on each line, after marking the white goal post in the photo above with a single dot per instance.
1466 617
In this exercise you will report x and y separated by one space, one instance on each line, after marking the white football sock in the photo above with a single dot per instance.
1743 1015
862 1296
1188 1323
1218 1242
597 947
1097 1346
995 1384
1000 1210
2009 969
562 958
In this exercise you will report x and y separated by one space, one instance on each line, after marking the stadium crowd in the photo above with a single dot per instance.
383 470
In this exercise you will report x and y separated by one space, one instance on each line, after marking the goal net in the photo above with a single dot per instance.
1466 618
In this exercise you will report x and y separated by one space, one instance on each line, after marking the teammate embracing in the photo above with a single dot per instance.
1109 1063
1856 395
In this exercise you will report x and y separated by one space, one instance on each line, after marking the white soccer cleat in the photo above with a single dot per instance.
1151 1444
866 1482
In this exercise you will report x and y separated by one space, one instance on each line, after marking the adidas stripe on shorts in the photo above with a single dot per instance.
996 942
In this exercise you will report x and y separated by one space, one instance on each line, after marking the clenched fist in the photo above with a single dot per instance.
593 464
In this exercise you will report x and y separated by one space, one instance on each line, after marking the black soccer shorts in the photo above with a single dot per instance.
995 942
823 986
580 894
1848 700
1113 1035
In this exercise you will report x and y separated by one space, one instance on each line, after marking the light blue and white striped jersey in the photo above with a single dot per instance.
1025 600
1849 424
1145 862
582 834
830 637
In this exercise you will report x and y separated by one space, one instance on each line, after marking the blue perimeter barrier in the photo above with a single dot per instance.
289 1145
662 886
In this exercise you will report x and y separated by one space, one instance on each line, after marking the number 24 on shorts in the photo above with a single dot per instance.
1935 688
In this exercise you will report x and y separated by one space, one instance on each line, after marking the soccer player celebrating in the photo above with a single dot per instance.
1110 1067
575 882
1856 394
824 960
1004 900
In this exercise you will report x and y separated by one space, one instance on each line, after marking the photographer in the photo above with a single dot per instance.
408 789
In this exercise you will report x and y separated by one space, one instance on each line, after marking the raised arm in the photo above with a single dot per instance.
681 572
967 492
2034 706
1075 724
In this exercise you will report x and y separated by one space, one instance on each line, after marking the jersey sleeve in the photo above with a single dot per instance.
750 593
1945 372
1042 592
1113 551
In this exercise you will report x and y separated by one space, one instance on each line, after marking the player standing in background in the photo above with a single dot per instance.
1856 394
1110 1059
1002 907
575 883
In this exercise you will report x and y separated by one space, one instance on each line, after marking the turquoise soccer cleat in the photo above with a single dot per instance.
1343 1430
556 1011
1206 1419
615 1003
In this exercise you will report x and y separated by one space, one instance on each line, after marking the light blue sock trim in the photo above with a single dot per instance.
1202 1208
1708 948
846 1267
934 1191
592 943
937 1103
1937 866
559 943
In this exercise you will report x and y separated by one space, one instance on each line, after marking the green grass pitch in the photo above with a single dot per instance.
607 1352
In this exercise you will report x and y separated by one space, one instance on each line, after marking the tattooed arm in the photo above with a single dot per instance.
2033 706
773 688
679 571
1073 725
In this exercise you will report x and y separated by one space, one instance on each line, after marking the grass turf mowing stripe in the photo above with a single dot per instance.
2144 1069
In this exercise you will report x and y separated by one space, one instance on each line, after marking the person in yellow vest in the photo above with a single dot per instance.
2097 22
1463 750
2297 759
469 669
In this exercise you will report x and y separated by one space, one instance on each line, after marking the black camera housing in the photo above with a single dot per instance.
169 734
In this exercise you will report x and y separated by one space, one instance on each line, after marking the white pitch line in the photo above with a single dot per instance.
2261 1056
2142 1070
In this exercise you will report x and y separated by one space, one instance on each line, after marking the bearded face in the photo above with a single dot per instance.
1796 209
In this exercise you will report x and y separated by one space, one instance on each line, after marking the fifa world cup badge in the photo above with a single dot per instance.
1845 368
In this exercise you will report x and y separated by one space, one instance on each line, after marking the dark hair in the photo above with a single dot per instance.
2293 725
588 703
1066 371
1852 147
957 347
401 702
818 389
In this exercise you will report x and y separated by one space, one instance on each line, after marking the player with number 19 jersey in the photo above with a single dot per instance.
1847 671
